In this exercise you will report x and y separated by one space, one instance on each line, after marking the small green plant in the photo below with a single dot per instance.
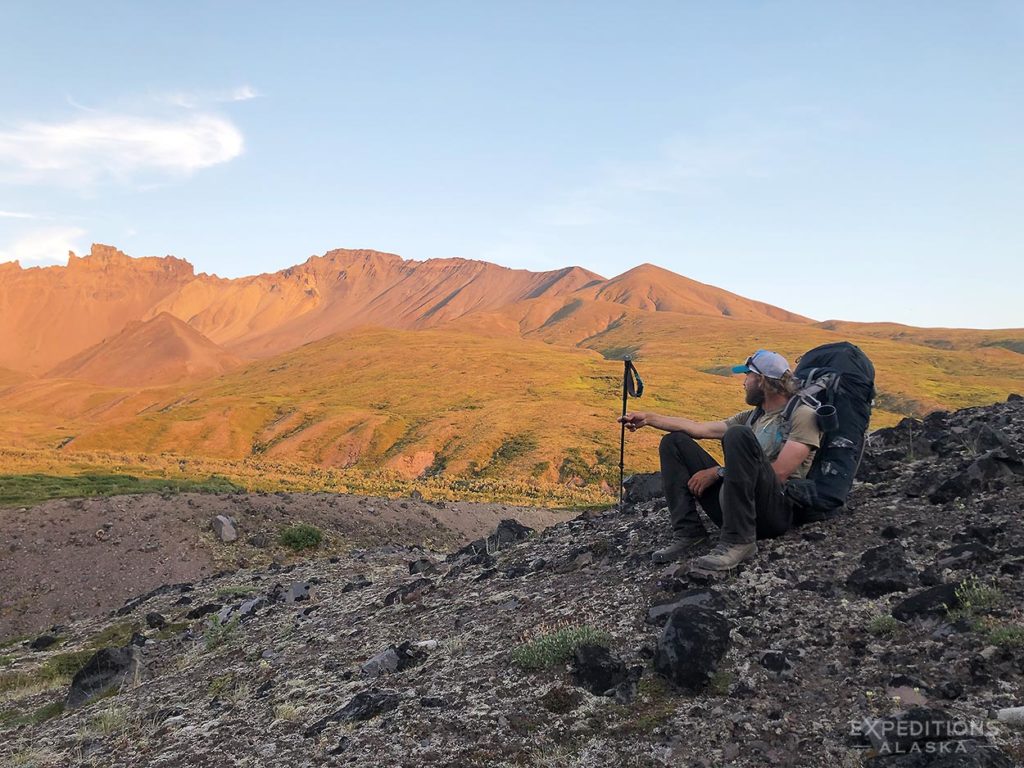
973 598
300 536
718 684
235 591
110 720
287 712
219 633
883 625
1008 636
115 634
554 648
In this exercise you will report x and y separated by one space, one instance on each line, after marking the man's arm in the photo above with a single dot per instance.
790 457
698 430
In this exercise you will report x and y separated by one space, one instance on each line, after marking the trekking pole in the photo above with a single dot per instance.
633 385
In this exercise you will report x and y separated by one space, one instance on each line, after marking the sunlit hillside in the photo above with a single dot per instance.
374 372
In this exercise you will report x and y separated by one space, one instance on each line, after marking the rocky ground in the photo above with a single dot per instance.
821 652
68 559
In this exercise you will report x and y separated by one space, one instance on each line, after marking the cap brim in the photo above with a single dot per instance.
740 369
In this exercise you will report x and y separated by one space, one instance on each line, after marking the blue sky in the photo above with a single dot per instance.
859 160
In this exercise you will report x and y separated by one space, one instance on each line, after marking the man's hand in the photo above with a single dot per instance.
702 480
634 420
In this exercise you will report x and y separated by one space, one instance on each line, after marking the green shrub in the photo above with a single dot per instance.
301 536
219 633
883 625
973 598
554 648
1006 635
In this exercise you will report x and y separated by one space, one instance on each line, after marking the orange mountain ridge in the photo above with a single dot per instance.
52 314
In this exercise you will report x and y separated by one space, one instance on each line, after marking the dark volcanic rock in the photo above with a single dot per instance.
43 642
507 533
155 620
597 669
422 565
359 582
107 668
702 598
409 593
363 706
643 487
882 570
691 645
928 602
963 555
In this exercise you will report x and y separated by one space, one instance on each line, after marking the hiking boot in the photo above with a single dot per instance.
679 547
725 557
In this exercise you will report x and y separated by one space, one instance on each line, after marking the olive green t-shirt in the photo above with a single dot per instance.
770 432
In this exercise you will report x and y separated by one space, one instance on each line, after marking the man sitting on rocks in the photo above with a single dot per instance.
763 451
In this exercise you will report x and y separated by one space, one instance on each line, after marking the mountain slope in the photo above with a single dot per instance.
162 350
48 314
268 314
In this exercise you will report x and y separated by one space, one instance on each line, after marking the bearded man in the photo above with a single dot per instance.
763 451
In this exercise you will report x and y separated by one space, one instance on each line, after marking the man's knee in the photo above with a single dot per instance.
738 437
673 442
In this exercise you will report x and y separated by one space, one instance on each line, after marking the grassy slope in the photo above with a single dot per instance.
491 408
29 489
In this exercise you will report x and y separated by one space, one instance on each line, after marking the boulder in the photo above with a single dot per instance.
107 668
702 598
597 669
963 555
928 602
882 570
643 487
507 533
224 528
691 645
362 706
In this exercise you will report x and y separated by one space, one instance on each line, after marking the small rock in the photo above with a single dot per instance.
882 570
359 582
43 642
225 529
409 593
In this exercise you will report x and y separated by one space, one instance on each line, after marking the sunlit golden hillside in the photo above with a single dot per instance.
523 390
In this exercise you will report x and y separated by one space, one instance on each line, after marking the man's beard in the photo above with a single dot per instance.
755 397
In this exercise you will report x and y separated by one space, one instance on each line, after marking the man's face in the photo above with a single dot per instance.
753 391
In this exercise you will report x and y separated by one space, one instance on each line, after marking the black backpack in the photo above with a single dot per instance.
838 381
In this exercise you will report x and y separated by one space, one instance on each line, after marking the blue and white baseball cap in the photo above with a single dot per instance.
765 363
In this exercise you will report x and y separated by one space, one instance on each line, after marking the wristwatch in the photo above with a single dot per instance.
721 472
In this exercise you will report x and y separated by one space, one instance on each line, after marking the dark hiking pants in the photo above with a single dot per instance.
747 504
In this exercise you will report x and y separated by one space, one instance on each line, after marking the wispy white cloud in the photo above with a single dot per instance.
196 99
123 148
44 246
16 215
